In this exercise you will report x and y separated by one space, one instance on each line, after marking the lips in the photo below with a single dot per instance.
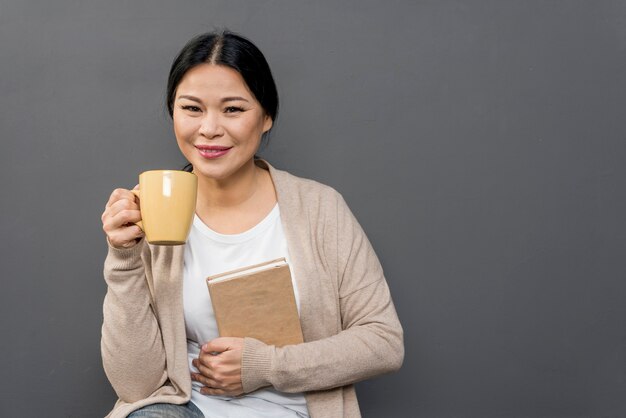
212 151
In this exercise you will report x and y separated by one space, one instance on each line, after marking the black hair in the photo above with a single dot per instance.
234 51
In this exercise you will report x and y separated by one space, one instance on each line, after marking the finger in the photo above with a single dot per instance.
205 390
123 219
112 211
221 344
212 391
207 358
125 237
137 199
122 225
204 367
118 194
205 381
126 217
196 362
122 204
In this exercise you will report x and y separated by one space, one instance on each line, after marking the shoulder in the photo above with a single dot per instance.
305 185
295 190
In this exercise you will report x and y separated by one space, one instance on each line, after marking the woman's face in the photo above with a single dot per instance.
218 122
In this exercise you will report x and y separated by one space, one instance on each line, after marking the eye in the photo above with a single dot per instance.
233 109
190 108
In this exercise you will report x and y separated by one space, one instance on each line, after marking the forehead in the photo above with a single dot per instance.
210 79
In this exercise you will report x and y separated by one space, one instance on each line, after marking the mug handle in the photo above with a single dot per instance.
139 224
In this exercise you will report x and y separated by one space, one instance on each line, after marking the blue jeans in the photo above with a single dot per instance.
166 410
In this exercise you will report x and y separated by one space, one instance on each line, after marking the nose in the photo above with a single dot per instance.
210 126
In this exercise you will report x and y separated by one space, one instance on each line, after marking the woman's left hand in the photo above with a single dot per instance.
219 366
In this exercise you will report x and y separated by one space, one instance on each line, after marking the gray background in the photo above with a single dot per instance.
480 143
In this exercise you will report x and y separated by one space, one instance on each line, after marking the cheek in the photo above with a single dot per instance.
248 130
182 128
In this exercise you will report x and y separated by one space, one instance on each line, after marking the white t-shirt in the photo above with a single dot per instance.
208 253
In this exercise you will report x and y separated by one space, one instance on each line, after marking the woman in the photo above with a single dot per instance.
160 346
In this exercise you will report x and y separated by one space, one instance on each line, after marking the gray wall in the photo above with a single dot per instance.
480 143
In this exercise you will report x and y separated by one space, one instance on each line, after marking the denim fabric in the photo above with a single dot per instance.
165 410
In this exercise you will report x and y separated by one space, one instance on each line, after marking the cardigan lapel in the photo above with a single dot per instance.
168 283
296 232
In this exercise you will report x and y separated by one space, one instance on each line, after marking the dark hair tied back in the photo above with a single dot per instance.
234 51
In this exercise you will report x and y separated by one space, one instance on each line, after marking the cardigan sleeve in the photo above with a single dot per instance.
133 355
369 344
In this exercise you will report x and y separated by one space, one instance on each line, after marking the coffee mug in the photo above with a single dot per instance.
167 199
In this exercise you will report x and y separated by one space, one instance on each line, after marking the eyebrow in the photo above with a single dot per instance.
233 99
223 100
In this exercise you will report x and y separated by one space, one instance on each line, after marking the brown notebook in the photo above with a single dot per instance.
257 301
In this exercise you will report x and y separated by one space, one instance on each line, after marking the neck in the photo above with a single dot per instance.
231 192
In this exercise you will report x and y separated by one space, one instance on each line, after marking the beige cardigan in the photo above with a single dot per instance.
350 326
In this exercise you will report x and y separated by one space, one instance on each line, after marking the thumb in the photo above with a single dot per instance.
218 345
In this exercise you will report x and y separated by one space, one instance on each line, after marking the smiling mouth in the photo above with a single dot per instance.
212 151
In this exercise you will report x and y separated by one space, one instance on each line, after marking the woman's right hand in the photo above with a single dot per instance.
119 217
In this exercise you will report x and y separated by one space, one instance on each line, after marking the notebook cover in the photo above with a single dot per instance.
260 305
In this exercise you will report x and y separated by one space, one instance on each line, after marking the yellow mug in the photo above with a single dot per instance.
167 199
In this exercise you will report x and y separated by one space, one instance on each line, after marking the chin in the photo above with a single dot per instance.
221 169
211 174
215 173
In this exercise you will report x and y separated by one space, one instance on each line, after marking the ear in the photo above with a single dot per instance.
267 123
